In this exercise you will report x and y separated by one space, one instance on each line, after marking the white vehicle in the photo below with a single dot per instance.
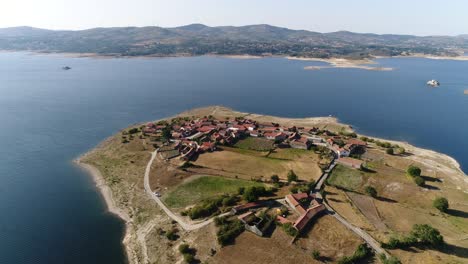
157 194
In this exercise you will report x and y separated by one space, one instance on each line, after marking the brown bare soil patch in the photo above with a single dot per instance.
365 204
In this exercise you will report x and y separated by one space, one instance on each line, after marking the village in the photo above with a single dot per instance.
186 138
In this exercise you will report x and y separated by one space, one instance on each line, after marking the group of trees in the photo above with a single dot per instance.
210 206
251 194
228 229
421 234
415 173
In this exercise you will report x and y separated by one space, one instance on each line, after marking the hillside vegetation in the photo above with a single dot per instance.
197 39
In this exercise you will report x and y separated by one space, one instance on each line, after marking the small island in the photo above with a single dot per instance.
214 185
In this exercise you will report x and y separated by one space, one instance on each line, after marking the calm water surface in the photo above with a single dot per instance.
51 212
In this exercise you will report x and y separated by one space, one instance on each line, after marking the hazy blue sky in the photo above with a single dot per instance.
420 17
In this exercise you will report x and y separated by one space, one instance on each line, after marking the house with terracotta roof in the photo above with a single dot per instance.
298 202
207 146
300 143
305 218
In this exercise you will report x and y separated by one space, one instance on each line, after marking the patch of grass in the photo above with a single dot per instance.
203 188
253 143
292 154
345 177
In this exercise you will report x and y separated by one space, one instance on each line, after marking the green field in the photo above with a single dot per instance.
194 191
253 143
345 177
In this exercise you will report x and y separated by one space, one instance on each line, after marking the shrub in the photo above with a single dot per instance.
290 230
274 178
241 190
362 252
189 258
413 171
390 151
400 150
441 204
316 254
184 248
133 131
292 176
371 191
293 189
172 234
419 180
390 260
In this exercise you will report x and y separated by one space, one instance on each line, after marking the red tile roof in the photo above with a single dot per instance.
358 142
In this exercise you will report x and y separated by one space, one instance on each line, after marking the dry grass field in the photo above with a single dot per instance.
247 165
401 204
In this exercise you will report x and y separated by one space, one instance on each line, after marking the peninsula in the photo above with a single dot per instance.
214 185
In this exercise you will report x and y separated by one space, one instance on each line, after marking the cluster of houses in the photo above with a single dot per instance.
190 137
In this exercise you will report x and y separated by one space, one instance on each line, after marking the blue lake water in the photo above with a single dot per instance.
52 213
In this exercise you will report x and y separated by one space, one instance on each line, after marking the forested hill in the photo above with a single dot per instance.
197 39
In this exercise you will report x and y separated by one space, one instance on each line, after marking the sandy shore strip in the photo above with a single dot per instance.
363 64
106 193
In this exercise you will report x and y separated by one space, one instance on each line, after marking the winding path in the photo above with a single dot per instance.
178 219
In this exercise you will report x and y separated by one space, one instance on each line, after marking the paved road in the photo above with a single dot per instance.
178 219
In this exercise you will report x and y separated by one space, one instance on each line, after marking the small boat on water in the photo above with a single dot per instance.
433 83
66 68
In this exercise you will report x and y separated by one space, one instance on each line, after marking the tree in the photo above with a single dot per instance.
274 178
413 171
250 194
426 234
441 204
316 254
292 176
390 151
166 133
419 180
371 191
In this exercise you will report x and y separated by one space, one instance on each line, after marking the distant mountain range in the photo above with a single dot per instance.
198 39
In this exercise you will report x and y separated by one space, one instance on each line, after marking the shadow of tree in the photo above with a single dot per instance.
458 213
431 179
458 251
335 200
430 187
384 199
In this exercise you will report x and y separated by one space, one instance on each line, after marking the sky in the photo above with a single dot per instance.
415 17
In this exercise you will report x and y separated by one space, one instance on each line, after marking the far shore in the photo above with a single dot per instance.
335 61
